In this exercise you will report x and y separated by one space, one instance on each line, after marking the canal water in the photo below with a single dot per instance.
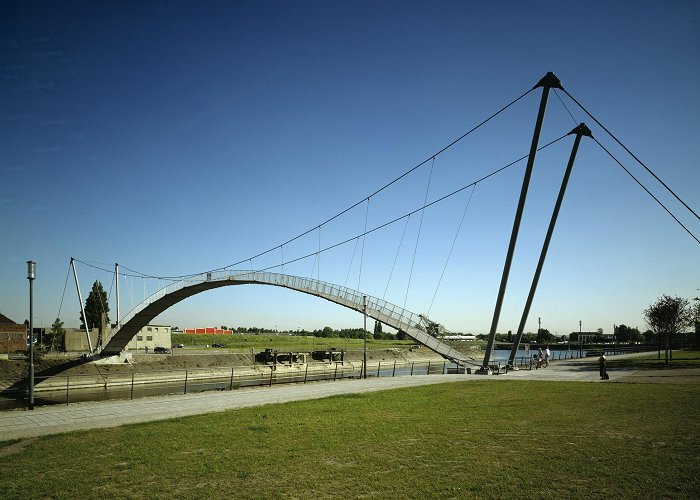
502 355
77 393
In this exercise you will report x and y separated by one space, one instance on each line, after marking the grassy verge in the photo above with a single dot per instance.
246 342
681 359
500 439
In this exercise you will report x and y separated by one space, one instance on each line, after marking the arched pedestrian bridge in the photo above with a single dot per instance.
378 309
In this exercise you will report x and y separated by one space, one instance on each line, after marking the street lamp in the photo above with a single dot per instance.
31 275
579 338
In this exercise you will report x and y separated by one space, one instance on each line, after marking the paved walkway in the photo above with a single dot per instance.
54 419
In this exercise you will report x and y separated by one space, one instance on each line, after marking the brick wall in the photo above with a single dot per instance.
13 337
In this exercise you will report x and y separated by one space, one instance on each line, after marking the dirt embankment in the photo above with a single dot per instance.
182 360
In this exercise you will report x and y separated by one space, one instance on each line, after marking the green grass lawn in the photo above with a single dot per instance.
494 439
247 341
681 359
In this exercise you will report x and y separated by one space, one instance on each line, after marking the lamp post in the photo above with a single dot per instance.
579 338
31 275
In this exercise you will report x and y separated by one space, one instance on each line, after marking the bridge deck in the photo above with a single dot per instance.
378 309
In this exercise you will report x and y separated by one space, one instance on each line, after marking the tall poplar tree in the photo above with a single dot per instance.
95 305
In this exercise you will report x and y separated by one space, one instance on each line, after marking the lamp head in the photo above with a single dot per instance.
31 270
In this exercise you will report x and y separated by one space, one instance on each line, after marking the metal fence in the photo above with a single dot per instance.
68 389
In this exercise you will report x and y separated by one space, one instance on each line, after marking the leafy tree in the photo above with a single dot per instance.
624 333
95 305
377 330
58 334
545 336
648 336
667 317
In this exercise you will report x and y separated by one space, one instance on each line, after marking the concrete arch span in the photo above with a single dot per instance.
378 309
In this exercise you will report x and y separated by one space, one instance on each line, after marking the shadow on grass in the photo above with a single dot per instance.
655 364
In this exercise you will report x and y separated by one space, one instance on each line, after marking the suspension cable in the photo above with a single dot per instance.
385 186
633 155
420 226
111 285
396 257
352 259
645 189
576 122
449 255
60 307
362 251
443 198
144 276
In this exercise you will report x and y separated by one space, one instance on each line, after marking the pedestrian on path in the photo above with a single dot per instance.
547 354
603 361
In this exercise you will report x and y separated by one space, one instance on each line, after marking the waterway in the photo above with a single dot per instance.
523 355
76 391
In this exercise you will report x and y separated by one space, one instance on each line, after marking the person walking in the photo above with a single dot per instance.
603 361
547 354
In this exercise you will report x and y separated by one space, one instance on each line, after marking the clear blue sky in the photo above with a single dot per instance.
176 137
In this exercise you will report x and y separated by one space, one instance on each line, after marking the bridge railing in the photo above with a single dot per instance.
166 290
390 314
397 316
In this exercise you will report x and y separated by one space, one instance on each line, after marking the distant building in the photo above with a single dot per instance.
467 337
593 336
208 331
13 336
151 336
75 339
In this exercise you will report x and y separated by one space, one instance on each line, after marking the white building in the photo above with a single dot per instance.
151 336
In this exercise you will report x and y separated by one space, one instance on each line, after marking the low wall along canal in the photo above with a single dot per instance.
69 389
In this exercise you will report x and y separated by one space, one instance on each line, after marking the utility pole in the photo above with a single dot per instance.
547 82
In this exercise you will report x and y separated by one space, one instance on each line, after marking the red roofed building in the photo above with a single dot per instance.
208 331
13 336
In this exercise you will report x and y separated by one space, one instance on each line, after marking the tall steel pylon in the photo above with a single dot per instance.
548 82
579 131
